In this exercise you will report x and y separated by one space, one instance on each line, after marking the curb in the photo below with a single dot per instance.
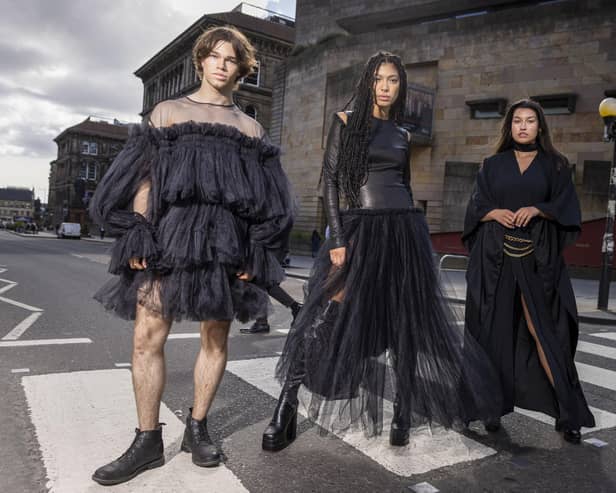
583 318
24 235
98 240
588 319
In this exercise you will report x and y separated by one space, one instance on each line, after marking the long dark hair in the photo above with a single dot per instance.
544 141
355 136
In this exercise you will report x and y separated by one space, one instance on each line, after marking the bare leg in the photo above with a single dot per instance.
533 332
210 365
149 365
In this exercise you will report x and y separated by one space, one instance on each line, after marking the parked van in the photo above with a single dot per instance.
69 230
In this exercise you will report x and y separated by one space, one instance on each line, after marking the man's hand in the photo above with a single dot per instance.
137 263
244 276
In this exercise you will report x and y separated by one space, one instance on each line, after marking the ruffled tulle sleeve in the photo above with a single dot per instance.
269 227
112 203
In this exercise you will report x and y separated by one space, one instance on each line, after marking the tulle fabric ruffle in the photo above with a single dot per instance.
394 336
219 203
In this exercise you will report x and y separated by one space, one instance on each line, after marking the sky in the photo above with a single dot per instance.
63 60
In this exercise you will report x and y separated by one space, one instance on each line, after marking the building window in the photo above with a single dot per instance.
88 171
251 111
90 148
171 82
92 167
482 109
557 104
253 78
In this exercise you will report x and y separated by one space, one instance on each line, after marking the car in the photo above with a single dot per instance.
69 230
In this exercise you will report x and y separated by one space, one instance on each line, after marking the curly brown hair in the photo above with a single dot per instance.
244 51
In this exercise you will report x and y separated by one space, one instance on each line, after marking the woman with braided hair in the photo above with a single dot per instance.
373 303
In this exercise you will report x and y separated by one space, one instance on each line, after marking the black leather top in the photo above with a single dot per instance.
387 186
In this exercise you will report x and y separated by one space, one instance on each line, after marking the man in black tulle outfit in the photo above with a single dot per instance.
201 207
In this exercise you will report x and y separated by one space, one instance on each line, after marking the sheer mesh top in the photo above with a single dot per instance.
171 112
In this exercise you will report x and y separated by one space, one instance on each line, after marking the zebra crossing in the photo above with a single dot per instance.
81 420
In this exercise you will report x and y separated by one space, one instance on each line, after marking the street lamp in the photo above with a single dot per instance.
607 110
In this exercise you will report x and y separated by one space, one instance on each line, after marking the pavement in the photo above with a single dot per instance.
47 235
67 403
586 290
454 283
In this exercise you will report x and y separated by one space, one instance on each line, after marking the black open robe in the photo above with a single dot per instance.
495 281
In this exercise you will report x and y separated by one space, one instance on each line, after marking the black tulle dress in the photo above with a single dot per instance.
394 336
219 203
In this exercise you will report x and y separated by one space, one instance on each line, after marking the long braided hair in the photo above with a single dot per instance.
355 136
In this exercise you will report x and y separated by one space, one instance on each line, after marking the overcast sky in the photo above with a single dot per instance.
62 60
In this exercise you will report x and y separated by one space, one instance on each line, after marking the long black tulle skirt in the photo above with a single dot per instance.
394 336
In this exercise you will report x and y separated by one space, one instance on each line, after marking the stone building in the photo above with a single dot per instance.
465 61
85 152
170 73
16 204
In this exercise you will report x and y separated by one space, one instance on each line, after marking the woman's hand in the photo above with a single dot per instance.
523 216
136 263
245 276
337 256
502 216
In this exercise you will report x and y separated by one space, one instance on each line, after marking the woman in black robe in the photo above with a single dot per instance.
520 304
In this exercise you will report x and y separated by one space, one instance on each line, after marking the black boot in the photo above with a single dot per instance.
492 425
198 442
570 435
261 325
282 430
146 452
400 426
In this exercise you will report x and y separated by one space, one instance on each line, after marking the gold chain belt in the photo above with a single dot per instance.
517 247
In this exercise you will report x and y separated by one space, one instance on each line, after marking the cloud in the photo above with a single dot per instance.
61 61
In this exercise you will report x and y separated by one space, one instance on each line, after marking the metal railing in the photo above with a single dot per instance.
448 256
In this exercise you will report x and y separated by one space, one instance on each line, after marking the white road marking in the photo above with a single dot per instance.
122 365
21 305
10 285
596 349
185 335
20 328
605 335
283 331
45 342
427 450
603 419
21 370
86 419
424 487
596 442
597 376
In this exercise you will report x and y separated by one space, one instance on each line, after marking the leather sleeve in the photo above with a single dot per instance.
330 184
